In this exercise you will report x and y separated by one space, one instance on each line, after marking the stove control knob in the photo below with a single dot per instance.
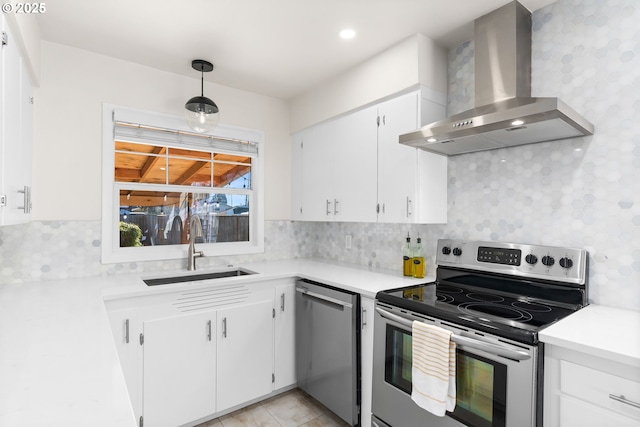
531 259
548 260
457 251
446 250
566 262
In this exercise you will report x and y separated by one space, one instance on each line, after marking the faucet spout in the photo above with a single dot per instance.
195 230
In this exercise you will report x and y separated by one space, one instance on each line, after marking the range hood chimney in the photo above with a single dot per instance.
505 114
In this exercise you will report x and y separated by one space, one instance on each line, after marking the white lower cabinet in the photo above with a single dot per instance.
126 329
179 374
245 353
366 341
284 336
587 391
181 368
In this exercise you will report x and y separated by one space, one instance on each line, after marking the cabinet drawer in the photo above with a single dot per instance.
576 413
596 387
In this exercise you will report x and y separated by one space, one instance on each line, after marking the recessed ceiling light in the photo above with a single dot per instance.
347 33
517 123
431 140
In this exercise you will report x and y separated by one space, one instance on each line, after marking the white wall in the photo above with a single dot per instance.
67 136
414 61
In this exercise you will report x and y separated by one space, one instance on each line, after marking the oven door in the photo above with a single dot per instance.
495 378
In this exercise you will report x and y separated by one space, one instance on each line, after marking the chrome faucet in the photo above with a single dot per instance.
195 230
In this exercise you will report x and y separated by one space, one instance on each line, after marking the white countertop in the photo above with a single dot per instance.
58 363
607 332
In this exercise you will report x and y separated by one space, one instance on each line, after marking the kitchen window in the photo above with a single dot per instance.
158 174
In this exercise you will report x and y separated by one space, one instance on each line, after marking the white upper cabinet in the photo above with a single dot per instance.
16 136
353 168
397 175
355 174
317 173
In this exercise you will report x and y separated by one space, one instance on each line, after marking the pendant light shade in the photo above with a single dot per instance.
202 113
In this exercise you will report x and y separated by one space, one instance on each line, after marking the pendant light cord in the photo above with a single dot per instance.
202 81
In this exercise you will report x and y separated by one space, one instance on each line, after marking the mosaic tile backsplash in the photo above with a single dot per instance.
581 192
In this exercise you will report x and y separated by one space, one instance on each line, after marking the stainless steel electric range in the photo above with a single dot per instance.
495 298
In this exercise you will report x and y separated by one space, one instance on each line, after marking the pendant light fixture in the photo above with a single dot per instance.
202 113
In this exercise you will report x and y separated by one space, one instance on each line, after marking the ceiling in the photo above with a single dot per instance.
277 48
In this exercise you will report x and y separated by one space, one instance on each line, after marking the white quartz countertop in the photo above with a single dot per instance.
58 363
607 332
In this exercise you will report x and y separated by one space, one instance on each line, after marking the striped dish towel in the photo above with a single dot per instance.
433 371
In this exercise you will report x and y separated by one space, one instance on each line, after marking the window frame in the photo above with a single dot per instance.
111 250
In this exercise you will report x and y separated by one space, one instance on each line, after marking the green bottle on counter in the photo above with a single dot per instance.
407 258
418 260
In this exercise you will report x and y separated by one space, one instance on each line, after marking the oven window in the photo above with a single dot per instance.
481 383
397 371
481 391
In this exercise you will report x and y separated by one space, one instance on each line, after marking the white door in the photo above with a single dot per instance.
126 336
284 336
397 163
355 169
297 168
317 174
245 353
16 133
179 371
366 338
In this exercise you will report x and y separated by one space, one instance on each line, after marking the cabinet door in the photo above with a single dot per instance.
126 336
245 353
431 190
577 413
397 163
297 168
179 384
366 337
284 336
16 134
317 174
355 170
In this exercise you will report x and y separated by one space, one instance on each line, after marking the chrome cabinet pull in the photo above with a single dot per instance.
209 330
27 199
224 327
328 207
335 207
408 207
364 317
282 302
624 400
126 331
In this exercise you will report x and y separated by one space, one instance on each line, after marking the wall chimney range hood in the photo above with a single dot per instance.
505 114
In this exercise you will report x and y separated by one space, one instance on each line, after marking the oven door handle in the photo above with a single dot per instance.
496 349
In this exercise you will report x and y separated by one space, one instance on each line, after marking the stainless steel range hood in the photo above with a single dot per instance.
505 114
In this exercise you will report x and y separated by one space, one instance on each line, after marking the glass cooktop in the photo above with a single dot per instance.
494 309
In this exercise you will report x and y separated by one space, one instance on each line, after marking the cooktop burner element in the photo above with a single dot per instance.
500 287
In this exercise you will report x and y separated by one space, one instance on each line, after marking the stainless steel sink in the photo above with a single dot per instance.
197 277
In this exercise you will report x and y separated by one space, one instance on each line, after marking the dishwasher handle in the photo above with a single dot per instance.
308 293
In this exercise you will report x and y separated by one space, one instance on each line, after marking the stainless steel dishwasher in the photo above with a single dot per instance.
328 347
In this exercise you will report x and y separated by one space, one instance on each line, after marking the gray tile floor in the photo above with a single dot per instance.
294 408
